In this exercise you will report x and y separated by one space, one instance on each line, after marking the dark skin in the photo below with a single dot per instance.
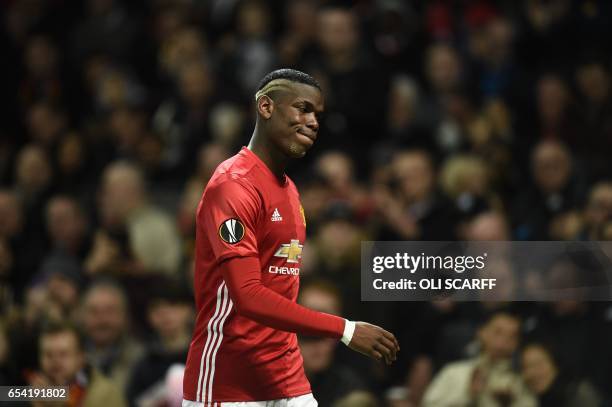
287 126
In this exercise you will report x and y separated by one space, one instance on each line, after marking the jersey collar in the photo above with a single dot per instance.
263 166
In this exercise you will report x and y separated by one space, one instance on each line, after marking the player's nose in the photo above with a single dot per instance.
312 123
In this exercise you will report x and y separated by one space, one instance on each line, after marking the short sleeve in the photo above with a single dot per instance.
228 216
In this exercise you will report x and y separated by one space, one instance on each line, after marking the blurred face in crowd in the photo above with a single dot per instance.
4 345
443 68
487 227
226 124
6 258
113 90
40 57
464 175
45 123
318 352
65 222
33 168
338 242
63 291
593 82
60 357
184 46
168 20
336 168
170 320
195 84
301 18
498 39
566 277
500 270
253 19
551 166
97 7
122 191
104 315
599 207
403 99
71 154
290 118
338 32
128 127
10 213
414 173
538 368
500 337
552 98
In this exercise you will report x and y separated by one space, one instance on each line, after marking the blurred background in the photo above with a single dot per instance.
445 120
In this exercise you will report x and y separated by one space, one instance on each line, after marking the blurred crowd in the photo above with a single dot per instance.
445 120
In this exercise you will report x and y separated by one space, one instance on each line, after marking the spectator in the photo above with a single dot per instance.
131 139
552 386
108 28
487 380
336 249
184 121
14 250
341 62
33 186
252 55
402 126
556 121
331 382
75 169
595 107
466 180
152 240
299 36
487 226
436 115
337 170
46 123
598 211
170 314
63 280
492 51
8 370
67 227
109 344
409 205
556 189
579 330
43 82
62 362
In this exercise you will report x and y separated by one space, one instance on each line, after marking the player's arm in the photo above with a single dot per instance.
239 263
257 302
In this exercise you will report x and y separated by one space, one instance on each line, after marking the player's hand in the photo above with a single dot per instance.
375 342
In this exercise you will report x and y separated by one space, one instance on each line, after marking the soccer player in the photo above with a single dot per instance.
250 233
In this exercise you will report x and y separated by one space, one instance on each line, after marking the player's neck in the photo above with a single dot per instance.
267 153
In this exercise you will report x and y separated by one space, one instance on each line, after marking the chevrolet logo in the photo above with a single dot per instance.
291 251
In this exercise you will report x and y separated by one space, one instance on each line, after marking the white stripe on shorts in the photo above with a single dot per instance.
307 400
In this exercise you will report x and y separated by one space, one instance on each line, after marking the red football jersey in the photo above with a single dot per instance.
246 211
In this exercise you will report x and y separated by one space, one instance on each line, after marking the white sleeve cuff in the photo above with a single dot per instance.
349 329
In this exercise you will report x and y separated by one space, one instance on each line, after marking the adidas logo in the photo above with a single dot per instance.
276 216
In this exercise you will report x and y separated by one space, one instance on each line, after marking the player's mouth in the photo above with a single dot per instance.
306 136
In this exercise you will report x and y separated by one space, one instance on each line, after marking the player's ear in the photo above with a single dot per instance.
265 106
